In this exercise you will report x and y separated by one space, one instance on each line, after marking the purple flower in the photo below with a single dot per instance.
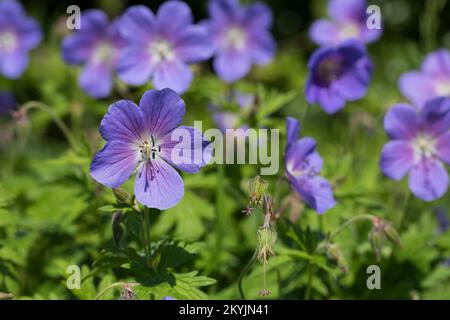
95 45
349 22
240 36
420 143
168 298
18 35
7 102
162 47
303 164
146 138
337 75
431 82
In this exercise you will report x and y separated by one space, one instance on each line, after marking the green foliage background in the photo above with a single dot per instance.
52 214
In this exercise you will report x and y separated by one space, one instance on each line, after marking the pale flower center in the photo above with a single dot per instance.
103 52
349 31
161 50
8 41
424 146
304 169
148 149
235 38
443 89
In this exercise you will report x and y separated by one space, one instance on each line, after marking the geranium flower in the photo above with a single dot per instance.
96 45
240 36
303 165
18 35
229 119
420 144
146 138
337 75
161 48
349 22
432 81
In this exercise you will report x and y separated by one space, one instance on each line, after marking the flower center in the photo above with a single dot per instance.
443 89
8 41
424 146
235 38
329 70
304 169
148 150
103 53
349 30
161 50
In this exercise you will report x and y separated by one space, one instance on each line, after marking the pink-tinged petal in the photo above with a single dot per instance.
435 116
292 131
401 122
232 65
135 65
259 15
417 87
123 122
137 24
114 164
346 10
316 192
186 149
443 147
158 185
174 74
96 80
192 44
397 159
437 63
428 180
324 32
173 16
13 64
163 111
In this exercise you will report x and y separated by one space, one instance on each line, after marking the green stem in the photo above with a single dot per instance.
61 125
220 195
244 272
349 222
146 236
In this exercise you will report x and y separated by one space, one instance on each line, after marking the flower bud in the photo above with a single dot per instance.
6 296
376 239
391 233
127 293
117 228
334 253
267 237
258 189
122 196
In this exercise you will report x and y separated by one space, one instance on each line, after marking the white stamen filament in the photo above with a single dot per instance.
235 38
424 147
161 50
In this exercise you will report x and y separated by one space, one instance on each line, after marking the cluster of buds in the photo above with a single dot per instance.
258 189
381 231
